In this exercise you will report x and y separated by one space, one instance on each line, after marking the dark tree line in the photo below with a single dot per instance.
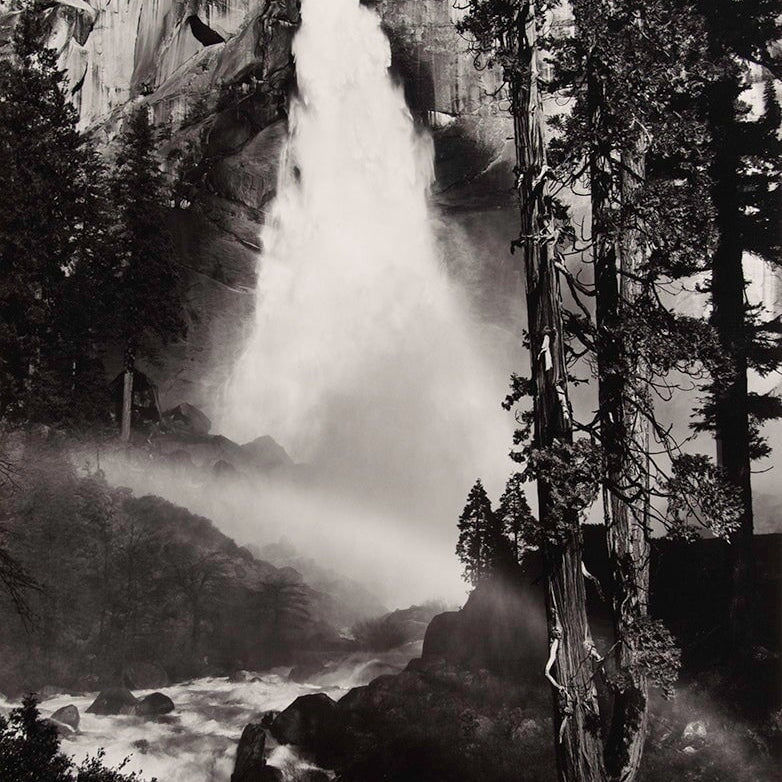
680 185
85 255
120 580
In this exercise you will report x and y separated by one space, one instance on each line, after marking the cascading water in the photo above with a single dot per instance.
364 359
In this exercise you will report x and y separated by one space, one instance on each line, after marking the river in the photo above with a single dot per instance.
197 741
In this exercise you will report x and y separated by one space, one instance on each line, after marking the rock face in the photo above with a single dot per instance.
501 628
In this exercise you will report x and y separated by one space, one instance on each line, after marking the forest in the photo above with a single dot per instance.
619 569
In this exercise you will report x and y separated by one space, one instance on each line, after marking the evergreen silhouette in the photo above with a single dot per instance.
147 303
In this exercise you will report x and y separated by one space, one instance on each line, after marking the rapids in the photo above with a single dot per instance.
197 741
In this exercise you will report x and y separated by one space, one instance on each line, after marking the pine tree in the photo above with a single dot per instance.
49 218
147 301
482 548
744 173
518 523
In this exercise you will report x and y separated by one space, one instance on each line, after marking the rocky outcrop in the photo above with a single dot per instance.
502 628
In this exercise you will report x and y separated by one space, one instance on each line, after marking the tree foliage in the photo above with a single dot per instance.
51 231
148 309
483 547
30 752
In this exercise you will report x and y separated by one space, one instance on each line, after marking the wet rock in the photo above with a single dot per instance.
312 775
114 700
68 715
144 676
270 774
268 717
154 705
309 721
250 763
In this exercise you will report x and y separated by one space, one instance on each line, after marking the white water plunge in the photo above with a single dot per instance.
364 359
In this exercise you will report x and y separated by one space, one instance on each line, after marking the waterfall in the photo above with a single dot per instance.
364 358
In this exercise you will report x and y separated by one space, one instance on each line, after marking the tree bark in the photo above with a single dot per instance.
127 404
576 720
623 396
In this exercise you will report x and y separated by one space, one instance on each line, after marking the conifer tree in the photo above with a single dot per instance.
518 523
147 302
49 219
482 547
745 173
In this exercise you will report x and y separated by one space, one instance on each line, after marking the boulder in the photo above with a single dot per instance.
309 721
68 715
114 700
144 676
187 419
502 628
154 705
271 774
250 761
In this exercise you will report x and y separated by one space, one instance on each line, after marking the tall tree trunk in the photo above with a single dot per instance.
731 414
576 721
127 394
623 397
